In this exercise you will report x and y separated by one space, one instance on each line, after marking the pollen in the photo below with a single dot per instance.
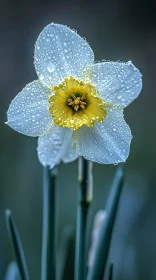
77 102
74 103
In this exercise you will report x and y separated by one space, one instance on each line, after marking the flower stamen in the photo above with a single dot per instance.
77 102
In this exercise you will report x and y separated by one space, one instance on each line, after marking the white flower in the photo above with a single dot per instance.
76 106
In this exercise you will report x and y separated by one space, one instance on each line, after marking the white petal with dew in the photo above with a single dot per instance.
107 142
28 112
70 155
119 83
52 148
60 52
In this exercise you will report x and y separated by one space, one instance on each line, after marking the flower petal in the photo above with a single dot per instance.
53 147
106 142
119 83
28 112
70 155
60 52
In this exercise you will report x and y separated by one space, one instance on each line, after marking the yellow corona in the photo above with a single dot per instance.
74 103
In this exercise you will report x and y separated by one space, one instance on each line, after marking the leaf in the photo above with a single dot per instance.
96 272
17 245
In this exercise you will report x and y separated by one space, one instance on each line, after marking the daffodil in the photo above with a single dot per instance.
76 105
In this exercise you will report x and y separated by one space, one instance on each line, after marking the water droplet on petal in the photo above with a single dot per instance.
41 77
119 97
51 67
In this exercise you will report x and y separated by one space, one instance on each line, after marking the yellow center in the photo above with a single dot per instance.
77 102
74 103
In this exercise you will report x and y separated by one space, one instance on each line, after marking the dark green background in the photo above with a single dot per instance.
116 30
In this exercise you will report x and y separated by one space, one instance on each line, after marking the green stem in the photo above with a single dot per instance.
85 198
17 246
96 272
48 265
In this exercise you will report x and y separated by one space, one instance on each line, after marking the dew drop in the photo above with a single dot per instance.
119 97
41 77
50 67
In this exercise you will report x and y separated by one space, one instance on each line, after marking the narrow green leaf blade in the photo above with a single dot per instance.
17 245
96 272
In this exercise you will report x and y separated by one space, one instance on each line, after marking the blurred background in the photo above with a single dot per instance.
116 30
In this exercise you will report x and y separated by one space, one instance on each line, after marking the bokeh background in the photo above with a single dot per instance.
116 30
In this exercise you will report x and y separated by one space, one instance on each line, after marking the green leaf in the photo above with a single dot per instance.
96 272
17 246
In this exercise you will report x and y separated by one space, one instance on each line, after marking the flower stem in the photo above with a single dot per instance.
17 246
85 198
48 265
97 270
